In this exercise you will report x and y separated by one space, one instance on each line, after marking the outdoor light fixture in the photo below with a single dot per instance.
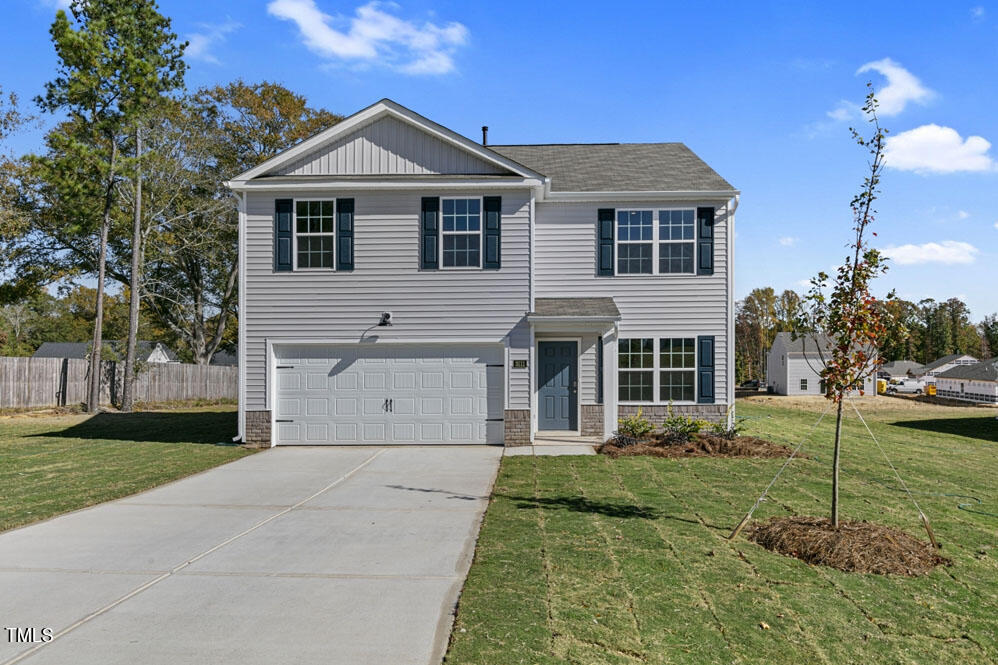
386 319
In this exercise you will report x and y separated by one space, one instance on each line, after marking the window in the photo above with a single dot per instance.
634 242
675 235
803 384
673 368
677 360
461 233
314 234
636 360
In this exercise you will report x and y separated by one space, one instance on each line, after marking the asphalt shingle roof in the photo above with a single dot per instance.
79 349
617 167
986 370
942 361
584 307
902 367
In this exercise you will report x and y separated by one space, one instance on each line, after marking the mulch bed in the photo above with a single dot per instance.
699 445
860 547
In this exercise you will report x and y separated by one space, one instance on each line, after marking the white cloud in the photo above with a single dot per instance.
844 111
996 226
902 87
935 149
56 4
374 35
200 43
947 252
963 214
977 13
788 241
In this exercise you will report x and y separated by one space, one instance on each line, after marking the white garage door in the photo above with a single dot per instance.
389 394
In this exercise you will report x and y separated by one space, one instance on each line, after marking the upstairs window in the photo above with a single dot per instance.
675 236
461 236
315 234
634 242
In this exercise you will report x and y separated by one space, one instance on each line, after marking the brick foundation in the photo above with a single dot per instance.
656 413
257 429
516 427
592 420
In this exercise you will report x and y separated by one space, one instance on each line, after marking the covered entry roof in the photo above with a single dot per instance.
574 310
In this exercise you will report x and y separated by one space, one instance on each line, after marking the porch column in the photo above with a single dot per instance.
609 383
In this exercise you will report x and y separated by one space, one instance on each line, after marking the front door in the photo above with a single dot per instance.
558 386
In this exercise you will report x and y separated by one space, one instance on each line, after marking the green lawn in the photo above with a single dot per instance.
593 560
51 465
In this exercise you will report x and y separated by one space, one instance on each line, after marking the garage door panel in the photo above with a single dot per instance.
436 394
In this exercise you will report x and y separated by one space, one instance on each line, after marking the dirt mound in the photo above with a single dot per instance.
860 547
700 445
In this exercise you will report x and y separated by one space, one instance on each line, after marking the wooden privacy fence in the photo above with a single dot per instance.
39 382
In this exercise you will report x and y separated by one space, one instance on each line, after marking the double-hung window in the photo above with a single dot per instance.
669 374
634 242
636 363
644 250
675 241
315 234
461 233
677 364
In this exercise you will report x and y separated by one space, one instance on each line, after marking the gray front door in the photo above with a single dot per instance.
557 381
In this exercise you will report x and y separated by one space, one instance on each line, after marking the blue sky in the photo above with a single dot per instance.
764 92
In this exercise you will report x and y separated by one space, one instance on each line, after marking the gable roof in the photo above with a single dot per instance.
619 167
901 367
986 370
364 117
945 359
804 345
80 350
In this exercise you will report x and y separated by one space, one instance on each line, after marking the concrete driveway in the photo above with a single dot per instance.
293 555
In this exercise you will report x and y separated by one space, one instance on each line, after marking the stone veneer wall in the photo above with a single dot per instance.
656 413
592 420
258 429
516 427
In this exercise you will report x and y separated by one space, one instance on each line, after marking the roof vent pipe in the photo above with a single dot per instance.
485 135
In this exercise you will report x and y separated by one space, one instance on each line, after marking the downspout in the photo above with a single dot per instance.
241 321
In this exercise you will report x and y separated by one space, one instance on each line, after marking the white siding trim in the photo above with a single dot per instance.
241 330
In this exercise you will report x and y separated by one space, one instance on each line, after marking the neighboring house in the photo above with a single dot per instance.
793 365
224 358
150 352
899 369
976 382
400 283
935 368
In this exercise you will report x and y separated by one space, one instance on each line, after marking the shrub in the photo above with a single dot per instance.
682 428
635 427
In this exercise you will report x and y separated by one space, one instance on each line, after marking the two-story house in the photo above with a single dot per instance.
400 283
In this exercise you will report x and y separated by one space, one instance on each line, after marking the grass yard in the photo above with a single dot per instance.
53 464
594 560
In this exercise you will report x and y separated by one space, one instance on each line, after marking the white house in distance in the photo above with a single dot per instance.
792 366
976 382
402 284
931 370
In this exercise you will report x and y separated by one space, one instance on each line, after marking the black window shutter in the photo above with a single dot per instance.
344 234
429 229
705 369
493 232
705 241
283 220
604 250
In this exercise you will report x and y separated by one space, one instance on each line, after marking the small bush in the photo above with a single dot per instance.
635 427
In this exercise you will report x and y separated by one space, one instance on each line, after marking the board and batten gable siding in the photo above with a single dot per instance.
650 305
389 146
426 305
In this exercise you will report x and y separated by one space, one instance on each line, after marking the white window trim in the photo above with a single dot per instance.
481 232
655 242
656 369
294 235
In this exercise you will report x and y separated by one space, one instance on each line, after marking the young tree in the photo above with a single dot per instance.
849 314
111 63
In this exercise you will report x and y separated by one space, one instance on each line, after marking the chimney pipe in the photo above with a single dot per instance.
485 135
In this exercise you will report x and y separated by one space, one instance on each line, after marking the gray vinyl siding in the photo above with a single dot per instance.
389 146
650 305
426 305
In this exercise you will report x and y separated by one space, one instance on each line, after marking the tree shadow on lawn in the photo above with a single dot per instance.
581 504
980 427
154 427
